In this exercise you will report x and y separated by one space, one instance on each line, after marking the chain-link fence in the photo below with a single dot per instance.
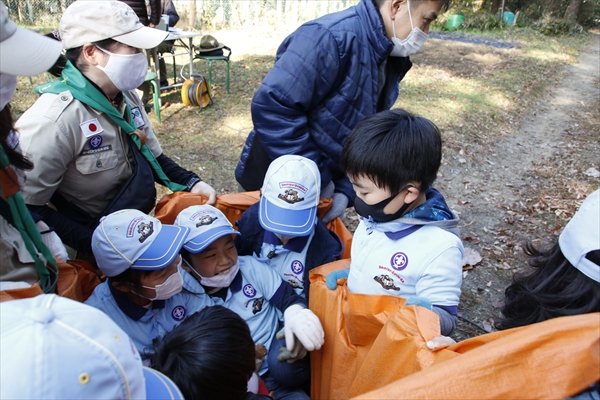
197 14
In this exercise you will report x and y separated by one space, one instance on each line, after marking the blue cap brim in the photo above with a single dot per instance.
159 386
284 221
163 250
202 241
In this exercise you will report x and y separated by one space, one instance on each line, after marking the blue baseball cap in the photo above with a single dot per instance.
131 239
290 196
56 348
205 224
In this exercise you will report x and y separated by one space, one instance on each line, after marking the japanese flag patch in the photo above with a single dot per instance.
91 127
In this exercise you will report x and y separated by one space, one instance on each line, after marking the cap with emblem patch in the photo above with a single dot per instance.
131 239
56 348
290 196
206 224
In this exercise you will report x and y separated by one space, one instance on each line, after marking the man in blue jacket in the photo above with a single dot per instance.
328 75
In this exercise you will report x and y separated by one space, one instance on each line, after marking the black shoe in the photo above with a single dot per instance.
164 84
148 109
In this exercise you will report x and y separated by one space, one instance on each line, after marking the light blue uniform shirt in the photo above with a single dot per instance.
143 325
255 294
288 260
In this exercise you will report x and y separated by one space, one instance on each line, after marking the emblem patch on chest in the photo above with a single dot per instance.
386 282
249 290
178 313
399 261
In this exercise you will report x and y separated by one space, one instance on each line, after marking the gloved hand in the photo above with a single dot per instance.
206 190
338 206
298 353
302 324
332 278
418 301
52 242
440 342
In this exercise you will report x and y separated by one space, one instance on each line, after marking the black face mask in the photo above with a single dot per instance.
375 211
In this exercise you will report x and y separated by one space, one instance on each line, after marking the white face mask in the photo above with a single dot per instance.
221 280
8 84
283 238
414 41
168 288
126 71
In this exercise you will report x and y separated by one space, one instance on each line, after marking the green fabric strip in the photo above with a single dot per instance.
74 81
29 233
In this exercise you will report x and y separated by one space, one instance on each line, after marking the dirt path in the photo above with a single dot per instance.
496 189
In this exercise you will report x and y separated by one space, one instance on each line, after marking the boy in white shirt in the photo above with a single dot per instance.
407 243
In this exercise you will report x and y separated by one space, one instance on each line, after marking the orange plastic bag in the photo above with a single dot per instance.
76 281
372 342
233 205
554 359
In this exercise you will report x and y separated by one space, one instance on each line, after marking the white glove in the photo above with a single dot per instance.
52 242
205 190
440 342
304 325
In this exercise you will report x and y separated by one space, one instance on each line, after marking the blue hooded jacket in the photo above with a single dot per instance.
325 80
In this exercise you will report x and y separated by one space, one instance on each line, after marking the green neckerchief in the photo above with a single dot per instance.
81 89
29 233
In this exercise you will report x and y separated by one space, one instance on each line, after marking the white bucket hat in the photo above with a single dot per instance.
52 347
23 52
89 21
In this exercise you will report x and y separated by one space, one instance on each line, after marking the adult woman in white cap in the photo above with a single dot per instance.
80 133
26 265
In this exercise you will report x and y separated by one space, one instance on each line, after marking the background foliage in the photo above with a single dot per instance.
548 16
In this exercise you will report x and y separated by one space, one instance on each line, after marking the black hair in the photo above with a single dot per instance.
392 148
74 53
59 65
210 355
6 126
554 289
413 3
131 276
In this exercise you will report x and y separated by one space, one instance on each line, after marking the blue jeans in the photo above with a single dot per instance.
288 381
283 392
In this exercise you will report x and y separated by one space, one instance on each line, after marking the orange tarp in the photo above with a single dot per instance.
373 342
232 205
76 280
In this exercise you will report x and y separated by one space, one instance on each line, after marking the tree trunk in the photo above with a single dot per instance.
192 17
495 5
572 10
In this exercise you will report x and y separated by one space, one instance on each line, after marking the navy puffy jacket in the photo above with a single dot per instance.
325 81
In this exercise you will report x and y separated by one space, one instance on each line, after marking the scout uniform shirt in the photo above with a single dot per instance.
288 260
426 263
143 325
78 151
256 294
